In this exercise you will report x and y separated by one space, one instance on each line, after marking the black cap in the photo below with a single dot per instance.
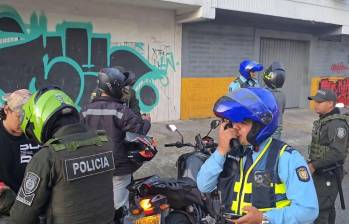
323 95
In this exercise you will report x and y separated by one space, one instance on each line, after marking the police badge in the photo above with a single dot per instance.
341 132
26 192
303 174
31 183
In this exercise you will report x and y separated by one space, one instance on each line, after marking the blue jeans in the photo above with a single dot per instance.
120 191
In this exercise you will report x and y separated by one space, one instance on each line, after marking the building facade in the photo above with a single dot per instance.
183 52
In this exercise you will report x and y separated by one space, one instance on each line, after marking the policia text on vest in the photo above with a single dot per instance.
89 165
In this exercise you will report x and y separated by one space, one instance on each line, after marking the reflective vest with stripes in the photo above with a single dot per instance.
260 186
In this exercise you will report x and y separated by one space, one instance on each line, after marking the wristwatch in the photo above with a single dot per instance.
265 220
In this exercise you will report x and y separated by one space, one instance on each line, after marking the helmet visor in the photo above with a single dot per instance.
242 105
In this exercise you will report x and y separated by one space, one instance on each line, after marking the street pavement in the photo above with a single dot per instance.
297 126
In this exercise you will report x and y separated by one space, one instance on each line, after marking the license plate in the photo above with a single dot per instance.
154 219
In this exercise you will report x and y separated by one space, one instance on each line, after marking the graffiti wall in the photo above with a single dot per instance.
339 84
70 56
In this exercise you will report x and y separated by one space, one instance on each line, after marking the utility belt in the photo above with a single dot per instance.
336 168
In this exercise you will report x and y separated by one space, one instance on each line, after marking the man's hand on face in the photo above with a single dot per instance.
224 137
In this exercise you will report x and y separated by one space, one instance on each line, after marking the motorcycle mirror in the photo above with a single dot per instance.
215 124
171 127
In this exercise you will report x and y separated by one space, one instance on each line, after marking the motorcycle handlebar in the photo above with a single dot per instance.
211 146
178 144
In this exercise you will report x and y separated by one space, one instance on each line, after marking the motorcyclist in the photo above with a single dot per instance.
110 113
274 78
248 75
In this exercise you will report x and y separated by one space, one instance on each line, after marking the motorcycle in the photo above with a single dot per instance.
212 210
177 200
203 207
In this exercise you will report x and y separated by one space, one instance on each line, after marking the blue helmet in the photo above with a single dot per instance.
248 66
256 104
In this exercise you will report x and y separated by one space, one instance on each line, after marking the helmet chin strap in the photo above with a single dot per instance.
252 134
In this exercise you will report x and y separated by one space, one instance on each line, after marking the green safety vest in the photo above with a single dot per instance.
318 151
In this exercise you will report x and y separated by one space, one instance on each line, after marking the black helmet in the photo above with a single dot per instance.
274 75
111 81
130 76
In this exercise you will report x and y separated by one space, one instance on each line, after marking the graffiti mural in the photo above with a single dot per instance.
339 68
70 57
339 86
139 46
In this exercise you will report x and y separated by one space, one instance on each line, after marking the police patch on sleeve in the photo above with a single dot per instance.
341 132
81 167
302 173
26 193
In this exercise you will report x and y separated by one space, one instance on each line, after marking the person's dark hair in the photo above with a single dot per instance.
2 112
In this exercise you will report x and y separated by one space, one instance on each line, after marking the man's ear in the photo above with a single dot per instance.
333 104
6 109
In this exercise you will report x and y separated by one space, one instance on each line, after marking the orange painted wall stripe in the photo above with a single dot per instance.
198 95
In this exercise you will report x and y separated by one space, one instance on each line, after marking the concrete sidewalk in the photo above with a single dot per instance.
297 132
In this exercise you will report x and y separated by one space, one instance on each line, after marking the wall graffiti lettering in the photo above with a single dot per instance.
339 86
339 68
158 54
70 57
163 58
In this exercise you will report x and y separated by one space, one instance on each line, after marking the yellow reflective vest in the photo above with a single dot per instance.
261 185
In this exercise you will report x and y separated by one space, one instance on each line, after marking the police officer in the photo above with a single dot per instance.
271 183
109 113
274 78
248 74
328 150
70 179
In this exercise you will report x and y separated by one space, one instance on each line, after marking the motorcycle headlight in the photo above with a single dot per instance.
146 204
